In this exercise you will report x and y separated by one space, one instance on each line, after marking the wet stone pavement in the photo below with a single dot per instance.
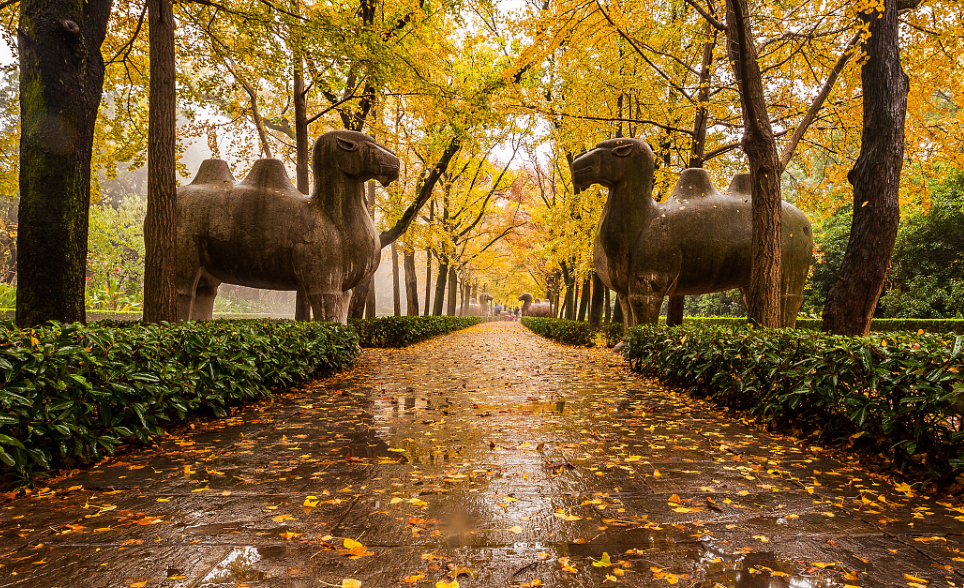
489 458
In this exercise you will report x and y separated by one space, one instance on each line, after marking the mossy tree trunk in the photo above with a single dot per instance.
61 81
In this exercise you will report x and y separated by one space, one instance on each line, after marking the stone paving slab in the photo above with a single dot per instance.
491 457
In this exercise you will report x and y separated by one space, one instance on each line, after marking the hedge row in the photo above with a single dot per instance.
562 330
68 393
877 325
900 393
400 331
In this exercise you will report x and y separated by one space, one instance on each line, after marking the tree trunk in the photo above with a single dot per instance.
584 300
302 308
453 288
440 282
61 80
598 296
428 281
411 284
396 286
608 302
160 298
761 151
618 311
876 180
675 310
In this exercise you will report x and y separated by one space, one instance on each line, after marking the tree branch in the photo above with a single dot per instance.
709 17
425 187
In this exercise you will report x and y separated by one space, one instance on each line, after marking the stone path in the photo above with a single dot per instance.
487 458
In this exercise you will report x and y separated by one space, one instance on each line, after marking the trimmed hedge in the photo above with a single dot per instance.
70 392
401 331
902 394
877 325
564 331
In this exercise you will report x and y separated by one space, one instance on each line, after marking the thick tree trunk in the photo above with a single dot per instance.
675 309
876 180
396 286
411 284
584 299
61 80
440 288
761 151
453 288
598 300
302 308
160 299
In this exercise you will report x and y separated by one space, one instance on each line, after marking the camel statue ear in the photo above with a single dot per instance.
622 150
346 144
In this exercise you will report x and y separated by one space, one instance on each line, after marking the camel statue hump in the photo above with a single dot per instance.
742 184
213 171
694 182
268 174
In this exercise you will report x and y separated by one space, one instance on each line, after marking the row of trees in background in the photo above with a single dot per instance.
463 92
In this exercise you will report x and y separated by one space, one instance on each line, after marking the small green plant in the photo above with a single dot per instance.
615 331
564 331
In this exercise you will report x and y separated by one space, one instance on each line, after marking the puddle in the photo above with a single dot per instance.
238 566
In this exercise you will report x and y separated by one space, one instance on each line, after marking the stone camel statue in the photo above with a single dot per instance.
696 242
262 232
475 307
537 307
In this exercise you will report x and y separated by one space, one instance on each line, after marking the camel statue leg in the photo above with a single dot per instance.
204 295
186 286
302 306
645 308
329 306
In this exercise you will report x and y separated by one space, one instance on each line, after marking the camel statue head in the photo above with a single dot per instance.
614 161
355 155
526 298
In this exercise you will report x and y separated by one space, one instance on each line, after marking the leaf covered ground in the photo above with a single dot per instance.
490 458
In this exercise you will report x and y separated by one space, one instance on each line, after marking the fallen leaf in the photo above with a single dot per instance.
603 562
413 578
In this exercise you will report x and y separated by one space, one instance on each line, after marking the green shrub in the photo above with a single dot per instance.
615 331
68 393
400 331
899 393
561 330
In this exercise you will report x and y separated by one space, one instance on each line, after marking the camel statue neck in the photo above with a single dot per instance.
628 209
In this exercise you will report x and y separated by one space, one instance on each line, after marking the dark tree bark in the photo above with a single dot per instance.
396 285
411 284
453 289
584 299
440 287
596 308
617 311
299 99
160 299
608 303
876 180
428 266
675 309
760 147
61 81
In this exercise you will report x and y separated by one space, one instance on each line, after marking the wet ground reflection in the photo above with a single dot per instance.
492 457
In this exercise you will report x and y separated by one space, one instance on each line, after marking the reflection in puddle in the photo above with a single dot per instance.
238 566
756 570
